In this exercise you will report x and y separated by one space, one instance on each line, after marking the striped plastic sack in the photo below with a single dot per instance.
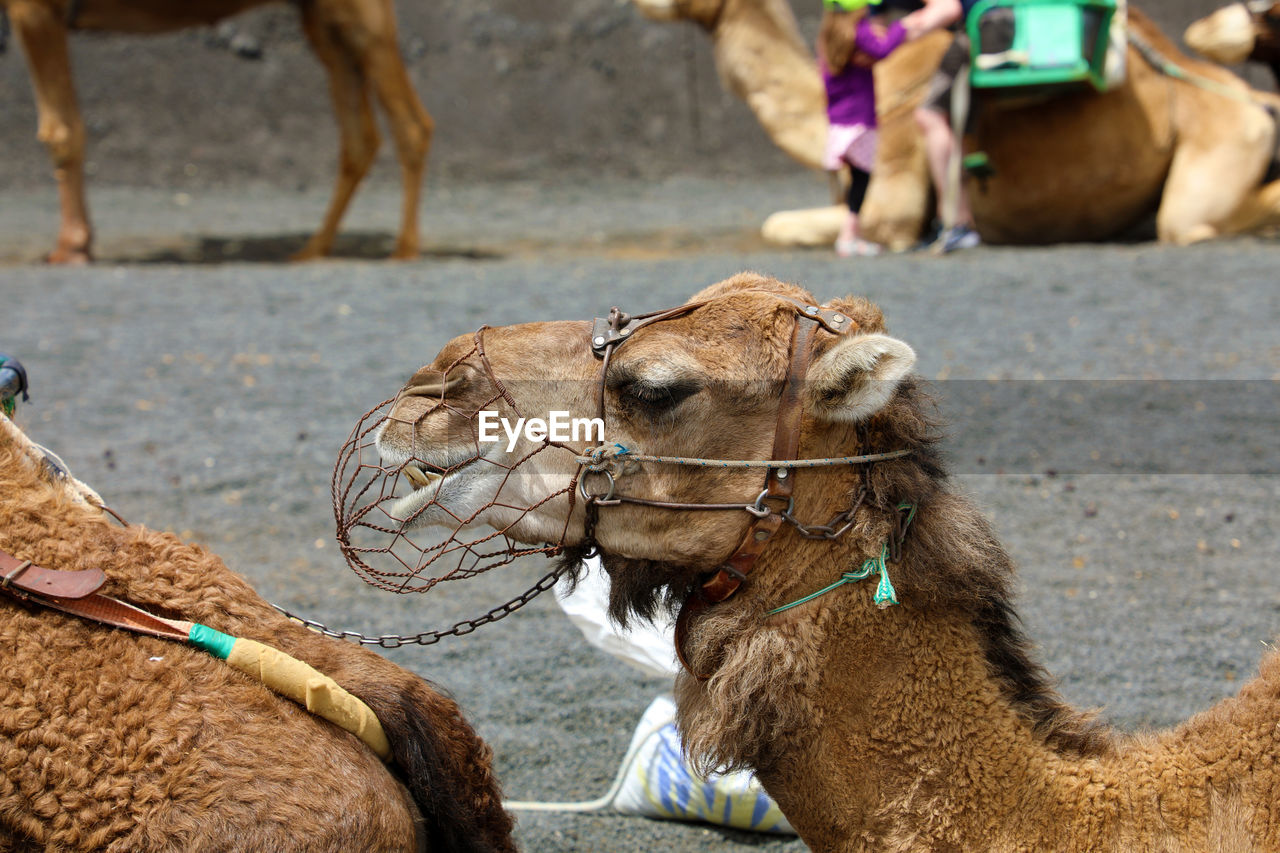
660 784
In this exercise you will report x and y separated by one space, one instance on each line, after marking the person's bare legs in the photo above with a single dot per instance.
939 143
847 236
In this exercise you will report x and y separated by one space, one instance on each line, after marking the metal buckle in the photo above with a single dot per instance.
604 334
13 575
835 322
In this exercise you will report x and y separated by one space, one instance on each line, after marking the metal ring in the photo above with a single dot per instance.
582 485
759 510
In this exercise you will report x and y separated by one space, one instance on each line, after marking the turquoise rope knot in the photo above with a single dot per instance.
885 595
602 458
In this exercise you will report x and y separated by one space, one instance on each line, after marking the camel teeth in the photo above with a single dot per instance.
420 478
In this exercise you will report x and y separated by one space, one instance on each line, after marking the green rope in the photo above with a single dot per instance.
885 595
1170 69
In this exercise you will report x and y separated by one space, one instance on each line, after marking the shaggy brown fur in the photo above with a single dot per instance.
355 40
114 741
923 726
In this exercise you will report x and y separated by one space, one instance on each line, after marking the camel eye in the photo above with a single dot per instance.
654 398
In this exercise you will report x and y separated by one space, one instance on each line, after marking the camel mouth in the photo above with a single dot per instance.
426 482
430 487
430 476
422 475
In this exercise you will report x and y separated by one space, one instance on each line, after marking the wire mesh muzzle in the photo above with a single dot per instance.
400 526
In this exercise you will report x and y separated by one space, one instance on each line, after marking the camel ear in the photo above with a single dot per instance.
857 377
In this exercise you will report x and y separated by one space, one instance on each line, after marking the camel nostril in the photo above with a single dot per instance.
432 386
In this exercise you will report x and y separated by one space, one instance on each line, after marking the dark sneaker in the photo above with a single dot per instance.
955 238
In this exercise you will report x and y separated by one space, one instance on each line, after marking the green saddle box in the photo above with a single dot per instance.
1054 44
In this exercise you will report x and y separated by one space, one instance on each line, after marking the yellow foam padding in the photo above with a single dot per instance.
317 692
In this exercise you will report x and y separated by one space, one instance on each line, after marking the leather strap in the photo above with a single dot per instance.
612 331
119 614
779 485
26 577
618 326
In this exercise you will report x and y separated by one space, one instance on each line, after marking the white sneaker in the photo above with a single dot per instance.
857 248
955 238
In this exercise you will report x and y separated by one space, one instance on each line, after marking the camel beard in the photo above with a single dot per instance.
761 691
638 589
765 674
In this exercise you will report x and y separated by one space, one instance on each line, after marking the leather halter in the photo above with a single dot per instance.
779 483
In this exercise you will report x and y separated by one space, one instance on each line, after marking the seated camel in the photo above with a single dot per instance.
1241 32
122 742
846 620
355 40
1191 146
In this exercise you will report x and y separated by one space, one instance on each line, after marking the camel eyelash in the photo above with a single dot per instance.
654 398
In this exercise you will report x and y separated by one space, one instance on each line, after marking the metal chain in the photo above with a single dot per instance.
427 638
837 527
592 510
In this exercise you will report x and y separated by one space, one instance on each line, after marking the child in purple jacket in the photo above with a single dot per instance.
849 41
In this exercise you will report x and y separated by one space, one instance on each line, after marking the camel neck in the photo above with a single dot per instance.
926 725
762 59
909 722
913 744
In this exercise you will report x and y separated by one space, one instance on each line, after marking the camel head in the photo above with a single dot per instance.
706 382
1236 33
703 12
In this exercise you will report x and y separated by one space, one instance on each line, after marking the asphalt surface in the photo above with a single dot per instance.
210 396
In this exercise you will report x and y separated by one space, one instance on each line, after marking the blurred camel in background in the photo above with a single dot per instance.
1238 33
1181 138
355 40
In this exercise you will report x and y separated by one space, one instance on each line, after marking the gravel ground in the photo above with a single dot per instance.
211 399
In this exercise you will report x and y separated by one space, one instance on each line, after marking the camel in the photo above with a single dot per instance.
121 742
1193 154
1238 33
864 658
355 40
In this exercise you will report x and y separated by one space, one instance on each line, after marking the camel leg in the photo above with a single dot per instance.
356 126
43 37
1209 184
1260 212
411 125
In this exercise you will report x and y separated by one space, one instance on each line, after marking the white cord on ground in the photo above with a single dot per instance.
599 803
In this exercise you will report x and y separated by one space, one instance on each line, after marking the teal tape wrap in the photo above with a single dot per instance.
214 642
